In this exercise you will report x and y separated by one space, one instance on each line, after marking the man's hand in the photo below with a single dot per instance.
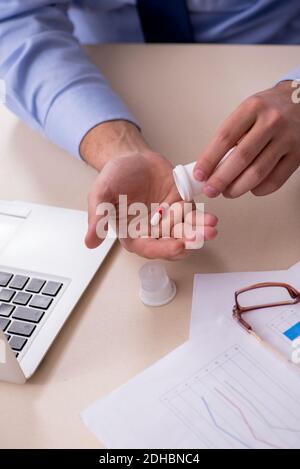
266 130
129 167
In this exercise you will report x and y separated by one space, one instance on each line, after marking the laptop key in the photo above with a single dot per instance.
22 298
17 342
19 282
21 328
28 314
52 288
4 323
6 310
5 277
6 294
7 337
39 301
35 285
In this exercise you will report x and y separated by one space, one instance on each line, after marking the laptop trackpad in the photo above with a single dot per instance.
9 226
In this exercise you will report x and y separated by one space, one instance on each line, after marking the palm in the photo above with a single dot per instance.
145 178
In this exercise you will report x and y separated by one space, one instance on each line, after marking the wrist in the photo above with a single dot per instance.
285 85
110 140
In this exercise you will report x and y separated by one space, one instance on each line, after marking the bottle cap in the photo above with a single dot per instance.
187 186
156 288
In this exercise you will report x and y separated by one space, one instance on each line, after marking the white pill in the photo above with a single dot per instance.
155 219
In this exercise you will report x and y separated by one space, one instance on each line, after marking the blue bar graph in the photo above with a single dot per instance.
293 332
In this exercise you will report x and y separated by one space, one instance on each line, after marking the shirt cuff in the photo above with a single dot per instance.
80 108
292 75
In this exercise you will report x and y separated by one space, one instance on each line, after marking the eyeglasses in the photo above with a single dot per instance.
286 295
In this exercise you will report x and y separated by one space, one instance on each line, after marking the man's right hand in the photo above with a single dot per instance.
128 166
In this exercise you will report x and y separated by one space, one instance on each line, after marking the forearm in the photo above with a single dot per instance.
50 82
111 140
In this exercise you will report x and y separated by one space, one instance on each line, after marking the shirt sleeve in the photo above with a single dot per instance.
49 81
292 75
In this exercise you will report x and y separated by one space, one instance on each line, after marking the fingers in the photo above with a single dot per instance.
99 194
284 169
259 170
210 219
196 228
175 248
180 211
155 248
243 155
194 236
210 232
206 219
177 217
91 238
175 213
232 130
168 249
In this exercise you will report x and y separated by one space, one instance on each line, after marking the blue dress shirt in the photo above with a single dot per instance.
52 85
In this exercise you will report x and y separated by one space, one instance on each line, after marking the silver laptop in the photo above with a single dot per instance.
44 269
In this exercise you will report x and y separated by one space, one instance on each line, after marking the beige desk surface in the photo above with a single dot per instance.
179 94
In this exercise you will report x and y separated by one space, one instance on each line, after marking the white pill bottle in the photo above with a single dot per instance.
187 186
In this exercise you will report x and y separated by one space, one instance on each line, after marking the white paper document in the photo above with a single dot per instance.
220 390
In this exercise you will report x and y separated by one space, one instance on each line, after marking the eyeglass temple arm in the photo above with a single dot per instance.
238 316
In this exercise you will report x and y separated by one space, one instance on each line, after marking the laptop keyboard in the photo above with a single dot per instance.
24 301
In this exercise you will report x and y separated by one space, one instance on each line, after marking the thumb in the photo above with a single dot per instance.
98 195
